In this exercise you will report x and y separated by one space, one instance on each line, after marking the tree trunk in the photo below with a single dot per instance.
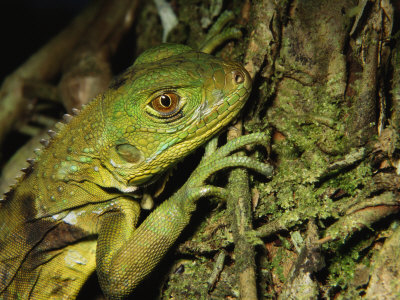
326 88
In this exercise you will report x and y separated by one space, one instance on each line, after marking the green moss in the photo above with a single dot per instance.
353 181
309 116
276 264
342 270
343 265
192 281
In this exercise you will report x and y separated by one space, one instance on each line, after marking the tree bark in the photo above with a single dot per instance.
326 88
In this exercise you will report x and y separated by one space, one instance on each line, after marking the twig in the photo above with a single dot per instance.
387 203
300 283
364 215
40 89
239 207
350 159
218 266
87 72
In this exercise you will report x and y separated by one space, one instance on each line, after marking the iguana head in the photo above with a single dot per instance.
171 101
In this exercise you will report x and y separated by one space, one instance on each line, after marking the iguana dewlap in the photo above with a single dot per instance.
73 212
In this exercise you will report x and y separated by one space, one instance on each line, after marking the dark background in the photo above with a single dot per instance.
26 25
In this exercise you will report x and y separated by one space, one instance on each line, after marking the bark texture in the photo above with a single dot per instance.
326 88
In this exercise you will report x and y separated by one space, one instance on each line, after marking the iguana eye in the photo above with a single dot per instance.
166 104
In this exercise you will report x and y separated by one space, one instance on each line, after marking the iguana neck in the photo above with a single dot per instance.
70 166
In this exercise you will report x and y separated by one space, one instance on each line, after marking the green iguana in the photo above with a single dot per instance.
75 210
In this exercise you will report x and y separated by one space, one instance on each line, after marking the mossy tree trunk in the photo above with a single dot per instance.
327 90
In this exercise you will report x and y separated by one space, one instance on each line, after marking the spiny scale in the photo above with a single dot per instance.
11 188
59 125
44 142
25 170
67 118
51 133
37 151
8 193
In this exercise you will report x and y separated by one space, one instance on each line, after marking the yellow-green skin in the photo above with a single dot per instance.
74 212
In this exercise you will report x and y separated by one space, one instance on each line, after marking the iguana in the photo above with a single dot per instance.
75 210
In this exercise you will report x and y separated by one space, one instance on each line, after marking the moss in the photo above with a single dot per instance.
342 266
182 284
309 117
191 281
342 270
277 265
353 181
309 120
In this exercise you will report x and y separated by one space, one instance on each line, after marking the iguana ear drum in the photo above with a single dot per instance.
129 153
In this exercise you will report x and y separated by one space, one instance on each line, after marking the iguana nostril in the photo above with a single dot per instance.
129 153
238 77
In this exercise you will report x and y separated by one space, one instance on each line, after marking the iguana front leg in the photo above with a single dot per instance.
125 256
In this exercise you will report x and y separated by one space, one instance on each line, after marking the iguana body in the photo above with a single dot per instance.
74 211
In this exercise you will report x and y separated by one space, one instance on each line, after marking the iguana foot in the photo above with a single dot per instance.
217 35
196 186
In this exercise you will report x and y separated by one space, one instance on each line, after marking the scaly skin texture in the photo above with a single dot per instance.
75 211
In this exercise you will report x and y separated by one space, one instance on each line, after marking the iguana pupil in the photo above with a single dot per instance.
165 101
